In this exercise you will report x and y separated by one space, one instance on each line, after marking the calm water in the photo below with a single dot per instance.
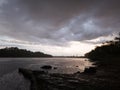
11 80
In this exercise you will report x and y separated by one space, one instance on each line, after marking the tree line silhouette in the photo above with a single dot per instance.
110 49
16 52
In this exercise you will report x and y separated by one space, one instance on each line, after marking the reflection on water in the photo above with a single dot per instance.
64 65
11 80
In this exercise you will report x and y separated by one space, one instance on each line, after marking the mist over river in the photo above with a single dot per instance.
10 79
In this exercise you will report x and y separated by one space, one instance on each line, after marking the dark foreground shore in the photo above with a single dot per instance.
106 77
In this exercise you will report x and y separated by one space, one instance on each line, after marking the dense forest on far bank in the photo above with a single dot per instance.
110 49
16 52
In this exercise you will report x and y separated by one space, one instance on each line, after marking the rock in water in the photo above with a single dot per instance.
46 67
55 68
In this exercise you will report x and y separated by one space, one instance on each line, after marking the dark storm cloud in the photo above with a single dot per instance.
58 21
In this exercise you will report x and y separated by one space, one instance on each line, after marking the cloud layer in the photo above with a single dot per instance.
57 22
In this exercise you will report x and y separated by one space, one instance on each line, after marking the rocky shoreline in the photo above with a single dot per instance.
41 80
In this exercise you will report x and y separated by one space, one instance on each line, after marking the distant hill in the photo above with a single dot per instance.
16 52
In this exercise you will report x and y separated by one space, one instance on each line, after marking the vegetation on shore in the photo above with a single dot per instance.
110 49
107 58
16 52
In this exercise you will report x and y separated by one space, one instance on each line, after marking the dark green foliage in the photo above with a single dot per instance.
109 50
16 52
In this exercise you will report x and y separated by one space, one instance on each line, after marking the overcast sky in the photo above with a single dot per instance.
58 27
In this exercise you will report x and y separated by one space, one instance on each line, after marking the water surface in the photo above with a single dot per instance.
10 79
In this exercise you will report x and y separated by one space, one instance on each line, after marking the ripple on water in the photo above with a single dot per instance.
13 81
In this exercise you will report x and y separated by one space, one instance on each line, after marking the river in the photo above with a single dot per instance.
10 79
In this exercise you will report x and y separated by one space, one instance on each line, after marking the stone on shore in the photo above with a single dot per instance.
90 70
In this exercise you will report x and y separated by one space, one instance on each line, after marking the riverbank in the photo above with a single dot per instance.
106 77
109 68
